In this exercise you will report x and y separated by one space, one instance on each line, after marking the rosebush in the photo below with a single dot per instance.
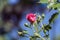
36 20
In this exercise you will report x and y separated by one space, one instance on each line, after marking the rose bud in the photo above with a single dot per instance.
43 15
31 17
26 24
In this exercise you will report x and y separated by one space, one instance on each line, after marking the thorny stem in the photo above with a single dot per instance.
35 27
37 31
41 30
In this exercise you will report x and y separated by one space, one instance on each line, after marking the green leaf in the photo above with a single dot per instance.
20 33
43 1
53 17
33 38
47 27
25 32
53 5
47 36
39 18
44 31
36 35
56 5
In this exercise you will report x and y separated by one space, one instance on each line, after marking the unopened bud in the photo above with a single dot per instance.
26 24
36 35
43 16
20 33
38 18
25 32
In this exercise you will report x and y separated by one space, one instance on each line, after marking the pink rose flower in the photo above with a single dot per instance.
31 17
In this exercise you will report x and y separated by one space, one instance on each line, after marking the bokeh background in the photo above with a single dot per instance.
13 16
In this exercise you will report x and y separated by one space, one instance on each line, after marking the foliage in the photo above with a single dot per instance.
53 17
